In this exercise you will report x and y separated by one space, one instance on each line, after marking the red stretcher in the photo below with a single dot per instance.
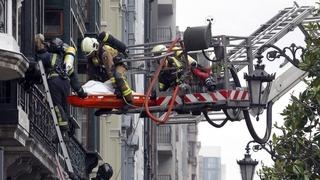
110 101
107 101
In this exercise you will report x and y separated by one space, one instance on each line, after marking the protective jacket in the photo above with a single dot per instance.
59 81
173 71
171 74
100 70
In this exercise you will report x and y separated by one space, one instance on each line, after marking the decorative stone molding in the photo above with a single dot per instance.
13 64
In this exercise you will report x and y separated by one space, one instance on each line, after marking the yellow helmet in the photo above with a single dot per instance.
159 49
88 45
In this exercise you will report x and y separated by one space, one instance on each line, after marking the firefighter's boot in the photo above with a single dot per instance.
73 125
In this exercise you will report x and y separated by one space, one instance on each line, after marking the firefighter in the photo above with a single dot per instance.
172 69
104 63
175 65
58 59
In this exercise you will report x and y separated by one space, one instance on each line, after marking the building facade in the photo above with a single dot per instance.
210 166
122 135
174 146
136 147
29 149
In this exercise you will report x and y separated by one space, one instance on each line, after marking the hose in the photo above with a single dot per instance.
153 81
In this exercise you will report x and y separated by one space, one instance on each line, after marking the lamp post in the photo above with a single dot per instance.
259 86
258 91
247 165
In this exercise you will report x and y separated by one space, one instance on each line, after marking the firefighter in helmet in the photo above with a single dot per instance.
104 63
172 69
58 61
104 172
175 64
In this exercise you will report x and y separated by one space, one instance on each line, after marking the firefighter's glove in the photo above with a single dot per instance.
194 64
117 60
118 93
125 53
81 94
210 83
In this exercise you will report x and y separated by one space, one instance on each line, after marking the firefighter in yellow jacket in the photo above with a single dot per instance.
173 69
104 63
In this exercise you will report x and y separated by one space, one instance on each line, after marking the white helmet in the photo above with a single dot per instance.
159 49
88 45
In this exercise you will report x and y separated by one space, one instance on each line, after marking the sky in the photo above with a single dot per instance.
238 18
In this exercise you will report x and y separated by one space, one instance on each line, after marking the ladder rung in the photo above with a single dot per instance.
259 42
267 37
255 47
275 28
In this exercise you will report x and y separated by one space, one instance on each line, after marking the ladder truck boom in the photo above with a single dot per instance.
285 82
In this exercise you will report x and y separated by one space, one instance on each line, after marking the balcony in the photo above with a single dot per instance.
164 177
162 34
13 64
27 134
164 142
165 6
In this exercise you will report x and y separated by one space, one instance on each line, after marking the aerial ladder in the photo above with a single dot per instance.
263 39
230 100
273 30
294 75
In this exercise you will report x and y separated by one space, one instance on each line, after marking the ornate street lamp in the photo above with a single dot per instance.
259 84
247 165
289 53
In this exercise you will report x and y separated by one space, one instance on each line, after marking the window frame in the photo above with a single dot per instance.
61 26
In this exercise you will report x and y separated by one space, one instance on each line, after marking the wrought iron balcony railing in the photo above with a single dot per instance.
164 177
164 135
162 34
41 126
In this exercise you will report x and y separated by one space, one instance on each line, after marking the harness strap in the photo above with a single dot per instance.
56 69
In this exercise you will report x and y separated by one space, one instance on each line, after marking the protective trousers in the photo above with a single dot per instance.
59 89
122 83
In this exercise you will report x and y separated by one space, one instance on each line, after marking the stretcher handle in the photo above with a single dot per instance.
153 81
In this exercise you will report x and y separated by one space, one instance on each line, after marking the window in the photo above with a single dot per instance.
16 20
53 22
5 92
2 16
212 162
